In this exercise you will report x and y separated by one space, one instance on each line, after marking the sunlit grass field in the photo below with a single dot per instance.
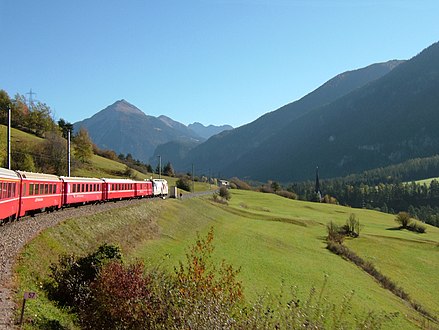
272 240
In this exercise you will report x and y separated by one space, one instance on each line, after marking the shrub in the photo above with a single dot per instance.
72 275
225 193
352 227
403 219
124 297
287 194
334 234
417 227
239 184
184 183
206 295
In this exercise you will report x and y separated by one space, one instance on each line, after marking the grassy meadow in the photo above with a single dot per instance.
272 240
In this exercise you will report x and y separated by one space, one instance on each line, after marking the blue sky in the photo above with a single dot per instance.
212 61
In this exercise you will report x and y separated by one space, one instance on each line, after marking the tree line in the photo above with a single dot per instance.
421 201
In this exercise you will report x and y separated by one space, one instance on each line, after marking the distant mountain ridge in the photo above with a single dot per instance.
208 131
227 151
387 121
124 128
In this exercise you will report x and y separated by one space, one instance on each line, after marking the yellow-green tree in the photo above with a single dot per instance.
83 146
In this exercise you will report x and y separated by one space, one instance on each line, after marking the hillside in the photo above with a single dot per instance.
387 121
126 129
271 238
228 150
98 167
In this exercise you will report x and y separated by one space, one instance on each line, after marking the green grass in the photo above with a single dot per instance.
272 239
17 136
426 181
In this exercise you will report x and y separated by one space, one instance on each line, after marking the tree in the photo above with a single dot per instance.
5 103
403 219
65 127
54 154
225 193
168 169
83 146
21 157
183 183
275 186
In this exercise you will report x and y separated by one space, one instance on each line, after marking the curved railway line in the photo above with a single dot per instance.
14 236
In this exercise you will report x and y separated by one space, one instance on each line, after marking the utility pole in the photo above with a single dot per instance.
68 153
9 137
193 185
31 99
160 166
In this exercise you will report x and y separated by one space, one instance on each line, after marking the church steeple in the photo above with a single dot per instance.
317 187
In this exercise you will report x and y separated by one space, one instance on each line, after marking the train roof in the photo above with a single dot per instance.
159 180
5 173
38 176
112 180
79 179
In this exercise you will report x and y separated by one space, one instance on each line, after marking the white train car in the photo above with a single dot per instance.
160 187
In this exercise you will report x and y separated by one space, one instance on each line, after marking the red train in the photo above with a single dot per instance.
25 193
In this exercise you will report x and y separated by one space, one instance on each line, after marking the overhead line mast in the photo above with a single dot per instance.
31 99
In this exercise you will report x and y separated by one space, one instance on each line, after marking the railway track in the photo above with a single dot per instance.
14 236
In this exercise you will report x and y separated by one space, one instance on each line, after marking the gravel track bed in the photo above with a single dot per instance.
14 236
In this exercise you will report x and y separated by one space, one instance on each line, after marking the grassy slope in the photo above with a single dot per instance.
426 181
270 238
260 236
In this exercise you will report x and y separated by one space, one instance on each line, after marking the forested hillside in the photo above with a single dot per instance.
385 122
228 151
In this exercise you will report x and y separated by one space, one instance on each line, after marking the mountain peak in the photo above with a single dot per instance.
124 106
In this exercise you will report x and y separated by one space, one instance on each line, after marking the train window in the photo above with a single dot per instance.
46 188
54 188
82 187
3 187
50 188
41 188
9 190
31 189
74 187
36 189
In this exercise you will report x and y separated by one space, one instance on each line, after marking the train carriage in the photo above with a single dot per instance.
39 193
160 187
143 189
77 191
118 189
9 195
